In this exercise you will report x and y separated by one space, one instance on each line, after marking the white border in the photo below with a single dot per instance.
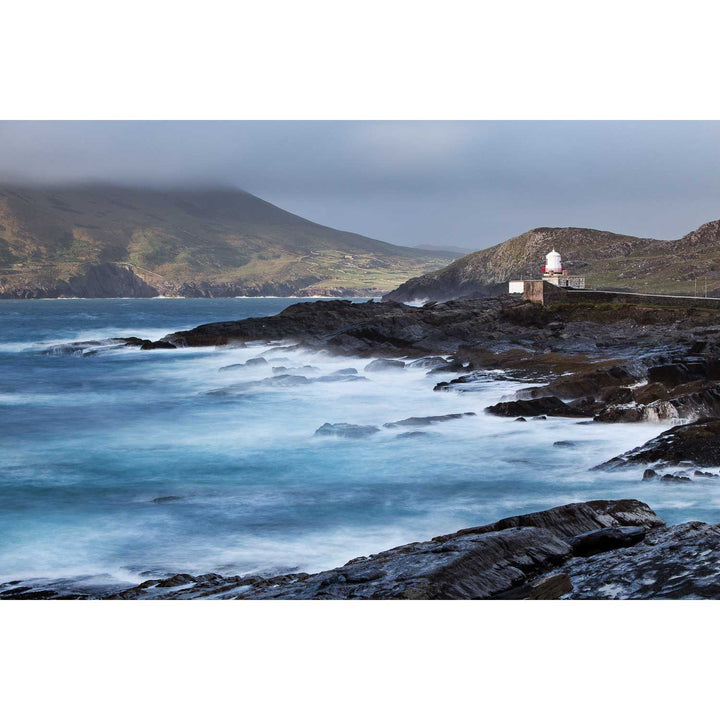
379 59
370 60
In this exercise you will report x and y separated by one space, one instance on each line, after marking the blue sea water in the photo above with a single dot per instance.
95 445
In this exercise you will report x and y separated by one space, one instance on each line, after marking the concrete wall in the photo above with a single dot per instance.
545 293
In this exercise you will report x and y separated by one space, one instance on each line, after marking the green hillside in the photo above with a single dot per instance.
88 239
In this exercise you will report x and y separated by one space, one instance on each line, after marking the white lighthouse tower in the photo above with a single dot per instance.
553 263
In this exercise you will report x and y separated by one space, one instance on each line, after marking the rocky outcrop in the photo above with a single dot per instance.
602 549
680 562
357 328
105 280
697 443
496 332
427 420
551 406
484 562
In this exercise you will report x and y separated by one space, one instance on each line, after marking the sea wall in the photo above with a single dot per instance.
545 293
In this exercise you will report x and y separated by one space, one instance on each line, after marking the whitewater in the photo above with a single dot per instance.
122 464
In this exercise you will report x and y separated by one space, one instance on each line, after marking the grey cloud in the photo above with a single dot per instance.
461 183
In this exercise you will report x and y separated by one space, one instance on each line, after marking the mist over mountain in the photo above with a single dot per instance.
99 240
608 260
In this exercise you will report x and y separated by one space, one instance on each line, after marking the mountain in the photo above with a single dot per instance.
608 260
109 241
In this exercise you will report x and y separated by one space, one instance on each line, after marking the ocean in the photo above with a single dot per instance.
118 464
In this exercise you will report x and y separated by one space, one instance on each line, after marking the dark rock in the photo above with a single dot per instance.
346 371
509 558
157 345
604 539
539 406
680 562
539 417
429 420
670 478
256 361
167 498
650 392
550 587
130 341
584 384
452 366
617 395
673 374
564 443
429 363
702 473
346 430
520 419
175 580
614 414
383 364
575 518
697 442
649 474
32 595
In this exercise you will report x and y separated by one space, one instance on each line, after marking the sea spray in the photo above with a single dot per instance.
126 462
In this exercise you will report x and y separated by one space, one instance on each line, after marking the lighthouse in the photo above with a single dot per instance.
552 272
553 263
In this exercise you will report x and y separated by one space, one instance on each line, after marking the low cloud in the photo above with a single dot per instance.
458 183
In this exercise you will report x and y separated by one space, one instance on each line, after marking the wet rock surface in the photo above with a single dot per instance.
383 364
697 442
428 420
531 408
600 549
680 562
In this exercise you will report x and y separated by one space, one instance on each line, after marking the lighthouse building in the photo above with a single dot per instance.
553 272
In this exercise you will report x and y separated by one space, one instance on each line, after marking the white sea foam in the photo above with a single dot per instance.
255 489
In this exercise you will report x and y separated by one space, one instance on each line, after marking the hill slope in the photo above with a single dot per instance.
606 259
105 241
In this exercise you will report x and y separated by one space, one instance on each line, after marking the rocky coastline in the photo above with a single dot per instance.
601 549
596 363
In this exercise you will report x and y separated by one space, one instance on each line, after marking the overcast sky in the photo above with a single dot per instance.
471 184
